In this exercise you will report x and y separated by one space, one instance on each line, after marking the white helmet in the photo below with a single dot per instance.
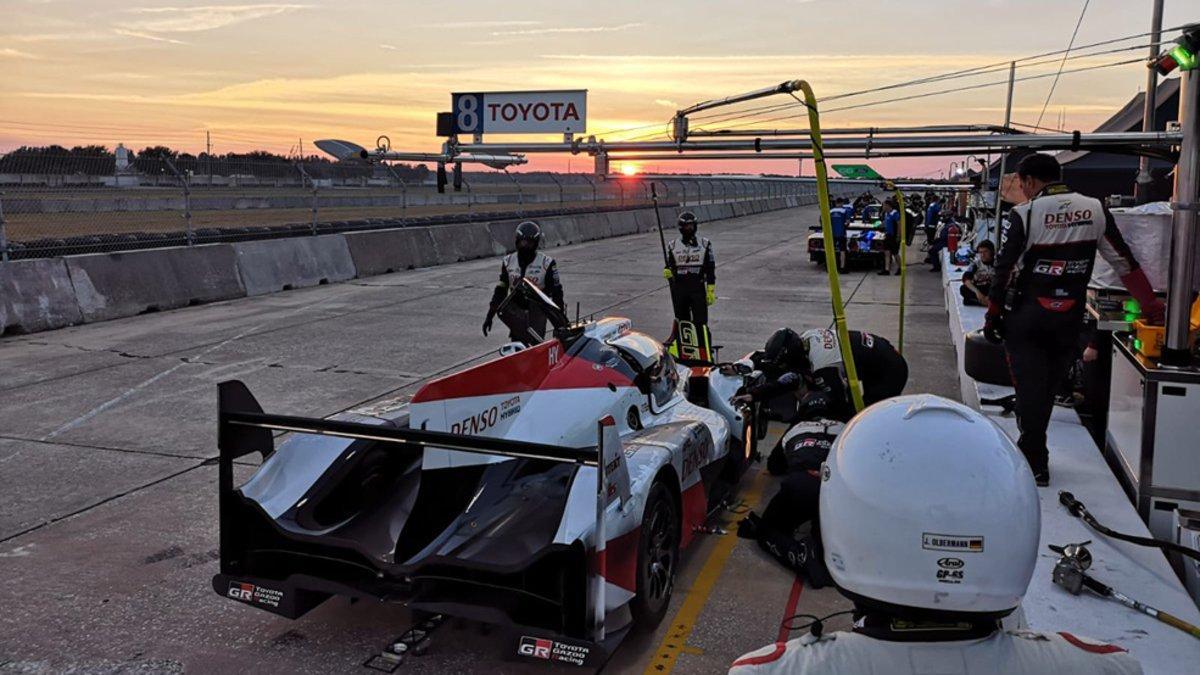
927 505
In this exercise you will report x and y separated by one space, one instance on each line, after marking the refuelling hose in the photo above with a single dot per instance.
1080 511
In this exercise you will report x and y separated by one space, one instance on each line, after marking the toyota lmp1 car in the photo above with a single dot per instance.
550 489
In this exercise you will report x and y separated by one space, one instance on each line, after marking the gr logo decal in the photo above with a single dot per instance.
537 648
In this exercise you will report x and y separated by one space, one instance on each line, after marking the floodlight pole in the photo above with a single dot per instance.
1183 222
1141 188
1012 74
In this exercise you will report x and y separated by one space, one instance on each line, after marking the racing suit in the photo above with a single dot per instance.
1047 248
538 268
694 267
1003 652
881 369
797 457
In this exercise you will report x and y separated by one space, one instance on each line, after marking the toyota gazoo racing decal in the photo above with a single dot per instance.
255 594
552 650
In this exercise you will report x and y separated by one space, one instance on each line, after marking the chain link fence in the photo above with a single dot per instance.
56 205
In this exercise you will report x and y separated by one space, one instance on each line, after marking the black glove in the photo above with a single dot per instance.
487 324
993 328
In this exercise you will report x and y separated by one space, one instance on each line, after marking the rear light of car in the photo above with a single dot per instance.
816 244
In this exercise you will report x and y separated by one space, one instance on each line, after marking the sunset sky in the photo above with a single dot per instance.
262 75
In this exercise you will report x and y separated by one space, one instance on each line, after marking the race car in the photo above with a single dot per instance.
550 490
865 238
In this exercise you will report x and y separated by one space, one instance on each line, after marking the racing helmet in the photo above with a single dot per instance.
786 349
928 511
687 223
530 234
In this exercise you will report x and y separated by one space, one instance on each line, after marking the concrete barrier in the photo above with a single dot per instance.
645 220
43 294
591 226
559 231
385 251
455 243
113 285
283 264
623 222
36 295
504 235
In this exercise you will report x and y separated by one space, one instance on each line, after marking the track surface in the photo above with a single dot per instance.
107 435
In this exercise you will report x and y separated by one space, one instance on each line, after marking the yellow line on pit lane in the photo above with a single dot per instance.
693 604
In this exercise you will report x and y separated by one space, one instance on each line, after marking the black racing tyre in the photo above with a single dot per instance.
658 557
984 361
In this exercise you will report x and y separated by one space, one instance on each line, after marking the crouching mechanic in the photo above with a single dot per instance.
797 457
529 263
692 270
934 541
807 377
1036 303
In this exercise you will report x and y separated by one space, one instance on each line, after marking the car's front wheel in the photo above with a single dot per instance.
658 556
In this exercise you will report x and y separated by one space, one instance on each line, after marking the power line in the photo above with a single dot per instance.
929 80
968 72
1064 61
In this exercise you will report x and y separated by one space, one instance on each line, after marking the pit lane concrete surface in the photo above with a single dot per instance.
108 512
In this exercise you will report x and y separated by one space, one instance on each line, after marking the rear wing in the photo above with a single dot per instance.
243 428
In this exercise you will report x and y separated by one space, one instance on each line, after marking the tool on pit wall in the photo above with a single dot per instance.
1080 511
1070 572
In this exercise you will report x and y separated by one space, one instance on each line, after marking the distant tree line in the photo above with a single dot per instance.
98 160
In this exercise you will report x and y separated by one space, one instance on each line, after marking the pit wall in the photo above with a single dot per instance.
48 293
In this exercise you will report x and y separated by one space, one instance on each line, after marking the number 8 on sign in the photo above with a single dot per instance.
466 114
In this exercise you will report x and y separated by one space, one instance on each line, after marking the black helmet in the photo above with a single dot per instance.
785 349
687 218
530 232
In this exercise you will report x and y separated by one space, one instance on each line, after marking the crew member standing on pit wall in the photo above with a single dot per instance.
1036 304
529 263
692 270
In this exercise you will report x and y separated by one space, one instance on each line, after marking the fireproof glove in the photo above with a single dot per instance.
993 327
668 274
1139 287
487 325
710 293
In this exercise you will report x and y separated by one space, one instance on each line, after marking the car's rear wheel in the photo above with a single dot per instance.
658 557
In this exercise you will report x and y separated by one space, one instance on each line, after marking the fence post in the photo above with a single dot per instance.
559 184
3 232
403 186
303 177
591 182
187 199
520 193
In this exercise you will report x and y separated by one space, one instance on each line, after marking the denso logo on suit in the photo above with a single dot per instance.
1068 218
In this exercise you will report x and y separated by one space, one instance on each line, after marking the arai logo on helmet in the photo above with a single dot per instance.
950 564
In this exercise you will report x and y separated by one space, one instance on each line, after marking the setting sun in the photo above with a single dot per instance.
629 169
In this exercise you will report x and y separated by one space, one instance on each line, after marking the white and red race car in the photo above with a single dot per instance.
550 490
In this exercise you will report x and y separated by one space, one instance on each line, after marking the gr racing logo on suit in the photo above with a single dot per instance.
1058 268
